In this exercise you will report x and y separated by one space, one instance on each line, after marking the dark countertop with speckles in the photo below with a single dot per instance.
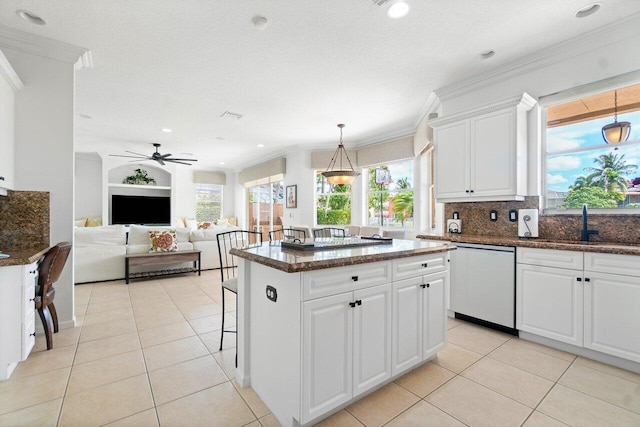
22 256
293 261
565 245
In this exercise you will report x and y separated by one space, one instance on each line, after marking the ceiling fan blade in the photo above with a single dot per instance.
133 152
132 157
187 160
159 160
175 161
138 161
164 156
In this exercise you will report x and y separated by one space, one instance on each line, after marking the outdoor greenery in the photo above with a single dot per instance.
381 197
604 187
333 204
208 202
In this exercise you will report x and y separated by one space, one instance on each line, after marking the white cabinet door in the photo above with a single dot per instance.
434 326
612 315
407 324
327 354
452 160
493 154
549 302
371 338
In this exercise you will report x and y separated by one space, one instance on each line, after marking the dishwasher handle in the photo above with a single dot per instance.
495 248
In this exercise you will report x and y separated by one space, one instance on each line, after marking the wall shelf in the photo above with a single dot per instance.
145 187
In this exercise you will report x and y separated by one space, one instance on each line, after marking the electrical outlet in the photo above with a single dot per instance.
493 215
272 294
513 215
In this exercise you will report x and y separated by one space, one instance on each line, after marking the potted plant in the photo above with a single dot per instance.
139 178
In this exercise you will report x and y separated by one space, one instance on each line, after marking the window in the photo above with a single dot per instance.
581 168
390 194
208 202
333 202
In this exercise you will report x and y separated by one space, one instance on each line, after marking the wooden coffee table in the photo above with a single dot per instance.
159 258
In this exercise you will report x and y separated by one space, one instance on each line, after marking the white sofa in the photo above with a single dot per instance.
99 251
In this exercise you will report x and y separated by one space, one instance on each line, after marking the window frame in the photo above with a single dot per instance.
583 91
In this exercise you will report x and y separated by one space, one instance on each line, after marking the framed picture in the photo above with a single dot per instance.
292 196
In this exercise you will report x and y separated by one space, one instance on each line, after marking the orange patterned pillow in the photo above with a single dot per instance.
205 225
163 241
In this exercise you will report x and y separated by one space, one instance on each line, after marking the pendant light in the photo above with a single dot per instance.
340 175
616 131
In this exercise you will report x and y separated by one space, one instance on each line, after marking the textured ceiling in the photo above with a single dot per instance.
182 64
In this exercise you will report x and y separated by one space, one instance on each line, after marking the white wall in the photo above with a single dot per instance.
88 184
44 150
300 173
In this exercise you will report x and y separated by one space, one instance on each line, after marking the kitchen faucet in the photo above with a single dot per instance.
584 235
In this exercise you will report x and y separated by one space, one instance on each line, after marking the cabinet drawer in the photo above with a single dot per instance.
28 335
404 268
321 283
28 296
611 263
572 260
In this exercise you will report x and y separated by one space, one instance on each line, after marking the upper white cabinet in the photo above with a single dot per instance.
481 155
9 84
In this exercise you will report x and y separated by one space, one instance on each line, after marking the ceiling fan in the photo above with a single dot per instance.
160 158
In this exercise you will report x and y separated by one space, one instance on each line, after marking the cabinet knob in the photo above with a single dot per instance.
352 304
32 334
428 284
33 271
354 278
423 286
425 265
1 178
587 279
579 279
32 299
466 191
471 191
359 302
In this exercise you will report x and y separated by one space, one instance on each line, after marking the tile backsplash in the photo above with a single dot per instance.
24 220
475 220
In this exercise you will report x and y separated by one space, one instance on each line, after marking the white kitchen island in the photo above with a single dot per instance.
319 330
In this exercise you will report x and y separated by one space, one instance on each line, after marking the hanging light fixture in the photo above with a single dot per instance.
616 131
341 175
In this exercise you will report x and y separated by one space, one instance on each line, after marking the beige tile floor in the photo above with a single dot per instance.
147 355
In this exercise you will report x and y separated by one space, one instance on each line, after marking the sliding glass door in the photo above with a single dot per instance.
265 203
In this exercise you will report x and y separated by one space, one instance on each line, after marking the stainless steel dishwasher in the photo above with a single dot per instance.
483 284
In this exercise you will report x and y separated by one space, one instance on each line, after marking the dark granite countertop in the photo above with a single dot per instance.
22 256
292 261
565 245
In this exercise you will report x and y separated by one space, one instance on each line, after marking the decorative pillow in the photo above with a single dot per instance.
163 241
181 222
205 225
94 222
222 222
80 222
233 221
191 223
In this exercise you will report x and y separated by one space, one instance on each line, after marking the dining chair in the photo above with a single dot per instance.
239 239
49 272
328 232
288 233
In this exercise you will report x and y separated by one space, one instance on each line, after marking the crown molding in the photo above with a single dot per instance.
42 46
600 37
524 101
431 105
10 75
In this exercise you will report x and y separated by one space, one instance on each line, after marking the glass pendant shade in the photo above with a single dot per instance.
617 131
340 175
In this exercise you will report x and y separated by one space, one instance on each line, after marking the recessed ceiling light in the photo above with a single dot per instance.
230 115
260 145
30 17
221 163
221 138
587 10
398 9
85 116
166 130
487 54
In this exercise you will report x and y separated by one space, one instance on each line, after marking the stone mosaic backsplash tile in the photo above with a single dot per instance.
24 220
475 221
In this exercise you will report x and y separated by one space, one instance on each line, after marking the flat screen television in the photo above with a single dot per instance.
140 210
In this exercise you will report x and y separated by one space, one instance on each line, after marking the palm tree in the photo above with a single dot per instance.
403 206
610 172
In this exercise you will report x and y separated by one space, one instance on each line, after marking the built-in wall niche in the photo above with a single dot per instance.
161 189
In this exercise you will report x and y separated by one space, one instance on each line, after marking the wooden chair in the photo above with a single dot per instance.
328 232
48 273
289 233
229 265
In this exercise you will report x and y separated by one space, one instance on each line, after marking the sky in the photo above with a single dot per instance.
563 169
